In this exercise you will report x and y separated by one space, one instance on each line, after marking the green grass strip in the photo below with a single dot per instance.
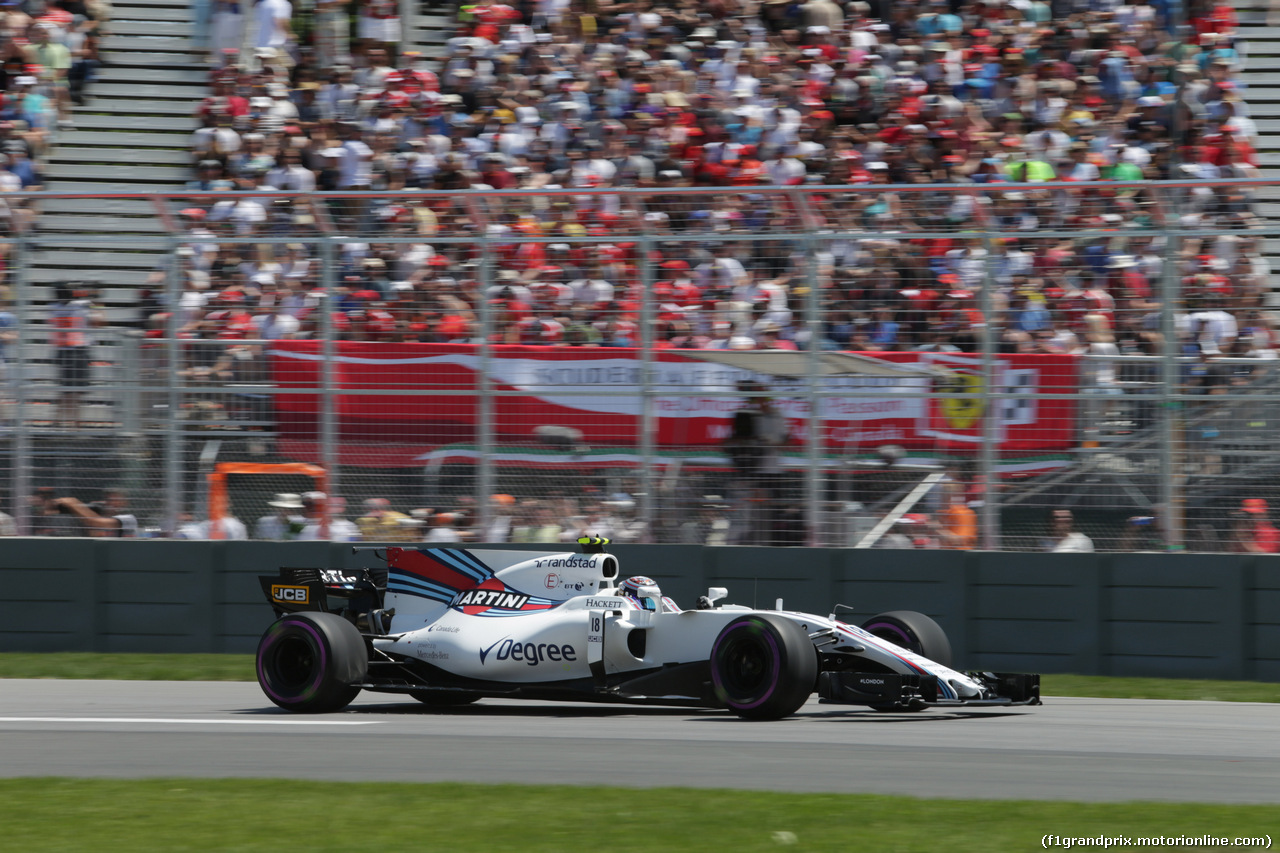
201 667
127 667
274 815
1107 687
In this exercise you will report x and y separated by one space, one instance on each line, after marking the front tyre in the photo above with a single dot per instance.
763 667
310 663
912 631
915 632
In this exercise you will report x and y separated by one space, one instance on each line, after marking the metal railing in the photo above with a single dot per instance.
532 364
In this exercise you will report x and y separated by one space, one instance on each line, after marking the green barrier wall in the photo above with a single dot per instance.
1185 615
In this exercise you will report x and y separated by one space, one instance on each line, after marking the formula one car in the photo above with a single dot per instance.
450 626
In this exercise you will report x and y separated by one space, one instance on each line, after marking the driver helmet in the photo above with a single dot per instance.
631 589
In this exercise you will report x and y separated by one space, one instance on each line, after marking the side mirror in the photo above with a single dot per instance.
716 593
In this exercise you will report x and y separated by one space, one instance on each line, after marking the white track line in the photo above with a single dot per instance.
180 721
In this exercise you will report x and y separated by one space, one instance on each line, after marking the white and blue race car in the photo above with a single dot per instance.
450 626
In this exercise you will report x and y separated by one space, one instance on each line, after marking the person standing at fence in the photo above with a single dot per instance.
285 522
1261 536
340 529
958 523
758 433
71 316
443 530
48 518
380 523
110 518
1066 539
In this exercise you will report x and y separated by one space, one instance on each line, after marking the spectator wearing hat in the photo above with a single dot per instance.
209 178
286 522
1260 535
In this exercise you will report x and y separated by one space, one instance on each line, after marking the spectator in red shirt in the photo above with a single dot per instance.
1263 537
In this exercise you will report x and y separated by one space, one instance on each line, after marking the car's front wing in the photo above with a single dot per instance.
885 689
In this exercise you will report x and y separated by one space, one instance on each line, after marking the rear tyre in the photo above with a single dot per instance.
914 632
444 698
310 663
763 667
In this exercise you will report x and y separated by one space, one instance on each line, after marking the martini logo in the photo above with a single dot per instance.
491 598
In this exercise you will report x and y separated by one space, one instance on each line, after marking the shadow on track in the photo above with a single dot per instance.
481 710
417 709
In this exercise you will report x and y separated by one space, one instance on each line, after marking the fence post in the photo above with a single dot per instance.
991 426
648 422
1171 461
173 424
484 388
813 445
21 473
328 405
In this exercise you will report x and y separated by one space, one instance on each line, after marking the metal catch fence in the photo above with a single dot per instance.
1001 366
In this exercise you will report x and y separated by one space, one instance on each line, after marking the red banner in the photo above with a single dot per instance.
597 392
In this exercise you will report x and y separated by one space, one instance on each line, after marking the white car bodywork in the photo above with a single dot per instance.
545 618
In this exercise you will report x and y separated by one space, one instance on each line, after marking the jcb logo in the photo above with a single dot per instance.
962 412
291 594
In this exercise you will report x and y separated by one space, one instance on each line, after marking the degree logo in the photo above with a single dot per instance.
484 653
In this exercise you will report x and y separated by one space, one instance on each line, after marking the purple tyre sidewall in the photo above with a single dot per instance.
274 635
903 638
775 656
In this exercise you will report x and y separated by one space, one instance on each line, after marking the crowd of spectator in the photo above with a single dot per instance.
746 97
47 58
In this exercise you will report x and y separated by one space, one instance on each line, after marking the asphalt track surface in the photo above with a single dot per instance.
1067 749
